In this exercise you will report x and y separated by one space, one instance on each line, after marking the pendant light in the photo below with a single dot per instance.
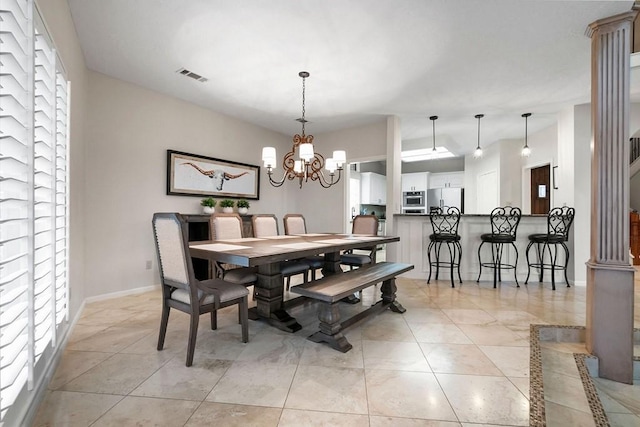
433 120
478 153
526 151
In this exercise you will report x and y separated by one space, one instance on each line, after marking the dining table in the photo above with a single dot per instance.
268 253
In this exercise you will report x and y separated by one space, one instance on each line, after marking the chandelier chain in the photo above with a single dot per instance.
303 103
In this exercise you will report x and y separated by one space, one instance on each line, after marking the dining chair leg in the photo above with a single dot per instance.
164 320
243 310
193 332
214 320
288 282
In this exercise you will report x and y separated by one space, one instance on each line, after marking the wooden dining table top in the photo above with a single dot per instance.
253 251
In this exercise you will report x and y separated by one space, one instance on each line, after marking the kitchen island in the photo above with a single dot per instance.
414 231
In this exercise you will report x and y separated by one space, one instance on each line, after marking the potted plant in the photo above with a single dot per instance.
243 206
208 205
227 205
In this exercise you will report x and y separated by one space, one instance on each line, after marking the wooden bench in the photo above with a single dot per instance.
331 289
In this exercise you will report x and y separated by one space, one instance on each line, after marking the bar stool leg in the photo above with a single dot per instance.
553 266
438 247
566 263
452 257
528 262
479 262
496 262
515 265
459 247
429 259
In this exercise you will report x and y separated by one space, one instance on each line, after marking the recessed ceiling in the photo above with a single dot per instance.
367 58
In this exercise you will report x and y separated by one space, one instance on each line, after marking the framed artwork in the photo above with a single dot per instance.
194 175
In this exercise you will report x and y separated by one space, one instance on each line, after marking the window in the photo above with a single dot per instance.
33 201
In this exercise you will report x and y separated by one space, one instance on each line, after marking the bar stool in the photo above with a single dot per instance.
559 223
444 222
504 225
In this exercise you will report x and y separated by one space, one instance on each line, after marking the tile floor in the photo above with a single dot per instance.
457 357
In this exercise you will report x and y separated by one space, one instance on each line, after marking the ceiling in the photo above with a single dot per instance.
367 58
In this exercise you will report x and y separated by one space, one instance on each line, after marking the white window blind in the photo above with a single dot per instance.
33 200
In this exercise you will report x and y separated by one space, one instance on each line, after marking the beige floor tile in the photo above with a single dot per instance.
66 408
564 390
469 317
408 422
493 335
512 361
514 317
320 354
319 388
119 374
227 415
254 383
458 359
73 364
110 340
175 380
175 344
558 415
522 384
147 411
407 394
485 399
426 315
297 418
399 356
387 326
273 348
626 394
623 420
439 333
80 332
219 345
107 317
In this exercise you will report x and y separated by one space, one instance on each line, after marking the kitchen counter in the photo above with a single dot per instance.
414 231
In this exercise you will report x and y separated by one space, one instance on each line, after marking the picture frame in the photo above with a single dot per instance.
554 178
195 175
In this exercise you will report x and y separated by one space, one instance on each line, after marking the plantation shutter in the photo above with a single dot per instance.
34 293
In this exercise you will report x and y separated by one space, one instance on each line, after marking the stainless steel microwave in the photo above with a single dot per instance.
413 199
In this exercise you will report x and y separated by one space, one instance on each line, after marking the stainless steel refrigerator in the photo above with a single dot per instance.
440 197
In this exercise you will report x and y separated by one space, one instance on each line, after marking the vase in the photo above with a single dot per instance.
208 209
227 210
243 211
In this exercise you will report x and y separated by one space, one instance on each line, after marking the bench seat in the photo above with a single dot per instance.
331 289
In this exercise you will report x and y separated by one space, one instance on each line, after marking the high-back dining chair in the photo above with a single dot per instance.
296 224
224 226
266 225
367 225
182 291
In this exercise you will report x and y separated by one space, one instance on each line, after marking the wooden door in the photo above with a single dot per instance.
540 190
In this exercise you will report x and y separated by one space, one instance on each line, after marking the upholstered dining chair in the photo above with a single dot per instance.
224 226
266 225
182 291
367 225
296 224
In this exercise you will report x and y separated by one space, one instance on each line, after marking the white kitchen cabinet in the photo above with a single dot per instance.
417 181
446 180
373 189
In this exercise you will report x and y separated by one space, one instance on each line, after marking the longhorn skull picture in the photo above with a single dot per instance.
218 175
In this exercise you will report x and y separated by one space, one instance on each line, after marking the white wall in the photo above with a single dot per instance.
57 17
361 144
582 152
511 173
129 129
473 168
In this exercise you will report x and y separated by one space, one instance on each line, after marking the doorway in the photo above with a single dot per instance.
540 189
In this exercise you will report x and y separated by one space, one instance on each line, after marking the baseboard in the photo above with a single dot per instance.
40 388
119 294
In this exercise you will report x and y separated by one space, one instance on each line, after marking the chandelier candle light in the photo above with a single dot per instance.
526 151
310 163
478 153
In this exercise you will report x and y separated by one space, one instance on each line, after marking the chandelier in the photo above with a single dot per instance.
309 165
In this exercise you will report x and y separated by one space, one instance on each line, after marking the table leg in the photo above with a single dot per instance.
269 299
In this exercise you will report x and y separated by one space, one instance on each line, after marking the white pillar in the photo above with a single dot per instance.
610 293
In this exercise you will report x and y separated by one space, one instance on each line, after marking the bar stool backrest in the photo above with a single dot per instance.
559 221
505 220
445 220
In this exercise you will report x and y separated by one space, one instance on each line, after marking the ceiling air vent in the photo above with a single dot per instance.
191 74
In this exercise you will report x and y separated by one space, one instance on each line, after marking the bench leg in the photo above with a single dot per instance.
389 289
330 328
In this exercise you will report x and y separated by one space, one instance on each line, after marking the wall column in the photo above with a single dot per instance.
609 276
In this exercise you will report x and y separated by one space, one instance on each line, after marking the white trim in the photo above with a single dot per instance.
119 294
39 391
